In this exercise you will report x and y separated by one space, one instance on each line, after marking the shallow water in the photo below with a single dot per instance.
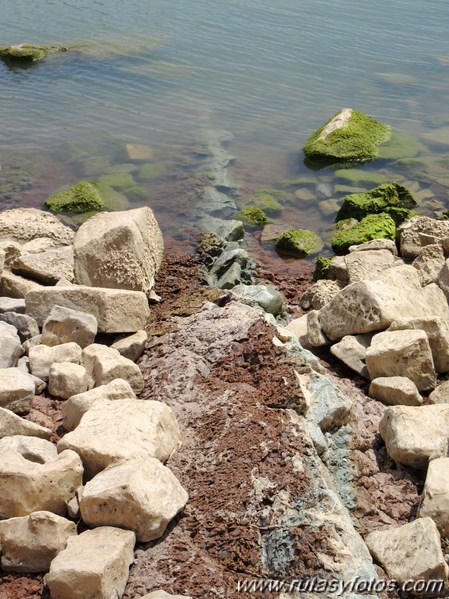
159 73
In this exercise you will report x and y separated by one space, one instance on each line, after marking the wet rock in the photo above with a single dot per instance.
27 53
16 390
395 390
119 430
42 357
368 264
24 324
10 345
351 350
47 267
299 243
139 152
94 564
131 347
320 294
402 353
26 224
140 495
369 306
75 407
30 543
419 232
440 394
435 498
64 325
429 263
34 477
409 552
229 230
119 250
104 364
78 198
66 379
10 304
219 204
265 296
11 424
413 435
350 232
17 287
116 310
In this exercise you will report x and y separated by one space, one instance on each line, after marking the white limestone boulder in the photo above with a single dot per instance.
368 264
113 431
104 364
34 477
429 263
64 325
25 224
351 350
30 543
435 498
10 346
25 325
440 394
93 564
66 379
16 286
131 347
11 424
320 294
141 495
11 304
414 435
395 391
404 353
46 267
116 310
119 250
16 390
419 232
315 335
42 357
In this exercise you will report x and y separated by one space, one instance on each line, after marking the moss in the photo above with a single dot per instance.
28 52
150 171
347 189
356 139
300 182
377 200
113 200
266 200
118 180
81 197
252 216
400 145
355 176
400 215
322 265
373 226
299 242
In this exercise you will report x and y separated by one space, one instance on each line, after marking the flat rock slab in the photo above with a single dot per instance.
94 564
116 310
131 347
121 430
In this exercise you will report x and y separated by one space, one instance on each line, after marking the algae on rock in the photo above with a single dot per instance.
299 242
28 52
348 136
266 200
252 216
322 265
79 198
373 226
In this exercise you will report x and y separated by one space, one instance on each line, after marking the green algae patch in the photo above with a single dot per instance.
373 226
113 199
391 198
79 198
299 242
322 265
118 180
348 136
304 181
401 145
28 52
266 200
252 216
150 171
359 177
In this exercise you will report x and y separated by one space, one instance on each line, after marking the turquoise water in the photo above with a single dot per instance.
157 72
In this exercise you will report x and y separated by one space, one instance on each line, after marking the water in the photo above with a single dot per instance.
158 73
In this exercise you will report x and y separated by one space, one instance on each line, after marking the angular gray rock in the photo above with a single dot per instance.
30 543
94 564
265 296
11 424
116 310
25 325
42 357
10 304
141 495
16 390
119 250
64 325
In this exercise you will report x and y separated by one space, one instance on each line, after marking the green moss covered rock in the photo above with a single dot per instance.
28 52
118 180
113 199
79 198
322 265
392 198
373 226
266 200
252 216
347 136
299 242
150 171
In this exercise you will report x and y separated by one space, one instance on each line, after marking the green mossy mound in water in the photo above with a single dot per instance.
391 198
347 136
28 52
266 200
299 242
118 180
373 226
81 197
252 216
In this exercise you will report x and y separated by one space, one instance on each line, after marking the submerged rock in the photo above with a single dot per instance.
373 226
349 135
299 242
28 52
81 197
266 200
252 216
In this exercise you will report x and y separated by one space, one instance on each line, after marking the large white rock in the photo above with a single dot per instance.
437 330
104 364
66 379
395 391
409 552
369 306
141 495
16 390
435 497
119 430
131 347
351 350
11 424
46 267
30 543
94 565
10 346
64 325
11 304
440 394
443 278
116 310
25 224
315 336
368 264
42 357
375 244
119 250
413 435
403 353
75 407
419 232
33 476
320 294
